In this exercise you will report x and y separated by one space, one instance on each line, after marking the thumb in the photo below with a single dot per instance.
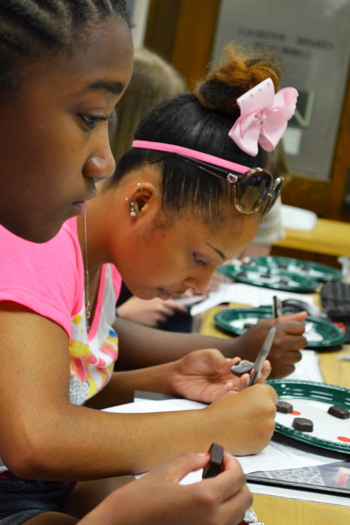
179 467
300 316
218 362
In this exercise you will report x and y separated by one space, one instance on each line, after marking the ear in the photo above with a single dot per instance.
143 198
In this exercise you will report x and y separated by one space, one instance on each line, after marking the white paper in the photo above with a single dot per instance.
166 405
245 294
275 454
308 369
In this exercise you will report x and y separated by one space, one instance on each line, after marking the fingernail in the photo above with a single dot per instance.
203 454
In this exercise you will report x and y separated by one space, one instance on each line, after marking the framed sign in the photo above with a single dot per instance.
313 39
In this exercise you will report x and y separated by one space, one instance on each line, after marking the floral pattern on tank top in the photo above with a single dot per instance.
93 354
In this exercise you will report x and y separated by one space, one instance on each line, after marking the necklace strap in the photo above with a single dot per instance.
87 277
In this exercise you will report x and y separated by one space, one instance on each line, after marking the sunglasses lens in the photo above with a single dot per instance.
252 191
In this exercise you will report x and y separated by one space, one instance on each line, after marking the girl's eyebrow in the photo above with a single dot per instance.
223 257
115 88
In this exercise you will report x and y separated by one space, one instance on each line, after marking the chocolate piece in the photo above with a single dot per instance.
248 325
282 266
302 424
216 457
283 281
265 275
243 367
241 274
305 268
284 407
339 412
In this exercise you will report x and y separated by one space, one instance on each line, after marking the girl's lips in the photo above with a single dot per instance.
80 206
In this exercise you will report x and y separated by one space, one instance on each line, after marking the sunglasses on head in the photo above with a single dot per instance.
254 188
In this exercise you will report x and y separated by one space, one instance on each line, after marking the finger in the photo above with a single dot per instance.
265 372
218 362
229 481
224 366
291 327
232 511
233 360
300 316
167 310
292 357
244 381
161 318
221 390
294 343
179 467
287 370
176 307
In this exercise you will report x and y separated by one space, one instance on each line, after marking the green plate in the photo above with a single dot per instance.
277 279
312 400
313 270
319 333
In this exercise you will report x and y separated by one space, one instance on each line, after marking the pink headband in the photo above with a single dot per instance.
264 117
191 153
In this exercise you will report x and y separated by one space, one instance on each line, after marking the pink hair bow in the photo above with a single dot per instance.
264 117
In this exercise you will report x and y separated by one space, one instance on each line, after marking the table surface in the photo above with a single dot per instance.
272 510
328 237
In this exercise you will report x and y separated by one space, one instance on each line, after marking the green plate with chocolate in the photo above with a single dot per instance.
276 279
312 270
312 400
319 333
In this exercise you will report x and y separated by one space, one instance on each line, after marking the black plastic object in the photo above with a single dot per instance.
216 458
294 305
335 298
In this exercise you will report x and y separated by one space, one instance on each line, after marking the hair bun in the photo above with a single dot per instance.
236 73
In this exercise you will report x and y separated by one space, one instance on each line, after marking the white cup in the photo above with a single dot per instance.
345 268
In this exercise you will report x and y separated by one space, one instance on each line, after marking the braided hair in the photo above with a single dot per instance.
30 28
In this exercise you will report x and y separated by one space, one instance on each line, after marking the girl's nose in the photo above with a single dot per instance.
198 284
100 164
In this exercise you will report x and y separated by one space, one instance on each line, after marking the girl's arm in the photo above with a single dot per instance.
141 346
44 436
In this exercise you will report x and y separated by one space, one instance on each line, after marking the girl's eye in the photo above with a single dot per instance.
199 261
92 121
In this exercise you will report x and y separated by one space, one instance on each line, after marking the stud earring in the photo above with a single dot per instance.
132 209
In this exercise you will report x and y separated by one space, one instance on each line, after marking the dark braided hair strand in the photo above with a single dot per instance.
30 28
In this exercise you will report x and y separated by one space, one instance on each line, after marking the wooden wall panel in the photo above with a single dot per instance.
194 37
341 164
162 26
182 32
